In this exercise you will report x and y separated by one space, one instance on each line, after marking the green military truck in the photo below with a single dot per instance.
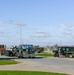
25 50
64 51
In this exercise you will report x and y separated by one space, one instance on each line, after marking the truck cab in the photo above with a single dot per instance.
2 49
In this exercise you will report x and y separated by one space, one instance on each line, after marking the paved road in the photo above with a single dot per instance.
50 64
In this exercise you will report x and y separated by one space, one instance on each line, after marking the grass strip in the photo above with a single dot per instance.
8 62
45 54
28 73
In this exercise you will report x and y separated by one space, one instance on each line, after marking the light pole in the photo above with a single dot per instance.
20 25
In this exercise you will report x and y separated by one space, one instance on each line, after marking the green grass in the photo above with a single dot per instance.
8 62
28 73
45 54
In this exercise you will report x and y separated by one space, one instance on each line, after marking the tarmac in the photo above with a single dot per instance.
50 64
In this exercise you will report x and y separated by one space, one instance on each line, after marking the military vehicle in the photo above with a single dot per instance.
64 51
25 50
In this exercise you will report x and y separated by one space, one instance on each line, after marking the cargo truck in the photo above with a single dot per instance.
26 50
64 51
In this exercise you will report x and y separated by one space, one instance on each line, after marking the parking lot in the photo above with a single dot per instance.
49 64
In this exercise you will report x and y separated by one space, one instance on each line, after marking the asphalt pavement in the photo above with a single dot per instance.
48 64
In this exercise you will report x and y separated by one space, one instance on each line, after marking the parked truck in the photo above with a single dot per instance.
25 50
64 51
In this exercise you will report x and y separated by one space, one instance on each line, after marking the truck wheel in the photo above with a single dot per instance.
29 57
19 57
32 57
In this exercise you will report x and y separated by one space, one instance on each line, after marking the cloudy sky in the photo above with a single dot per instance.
42 22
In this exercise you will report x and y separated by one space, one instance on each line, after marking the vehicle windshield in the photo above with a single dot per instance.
27 46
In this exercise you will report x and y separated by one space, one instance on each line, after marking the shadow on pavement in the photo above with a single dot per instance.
9 58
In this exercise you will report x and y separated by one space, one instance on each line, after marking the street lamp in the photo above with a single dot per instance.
20 25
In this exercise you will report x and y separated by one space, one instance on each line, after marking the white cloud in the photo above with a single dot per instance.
41 33
67 30
67 27
67 33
